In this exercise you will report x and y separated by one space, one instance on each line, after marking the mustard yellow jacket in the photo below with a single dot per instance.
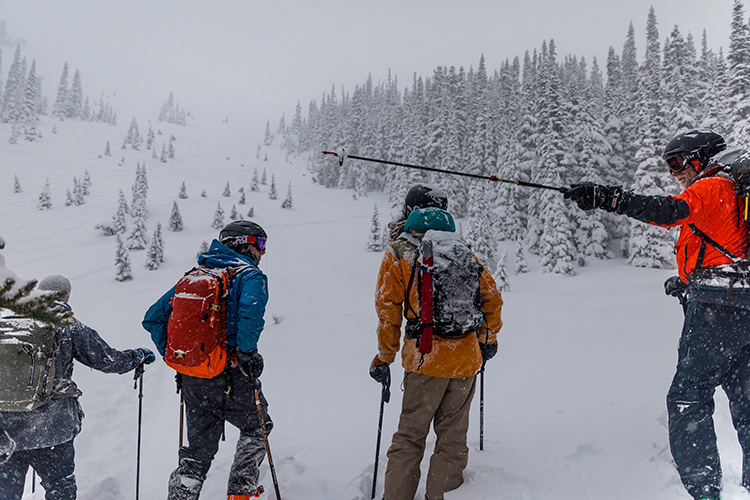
450 358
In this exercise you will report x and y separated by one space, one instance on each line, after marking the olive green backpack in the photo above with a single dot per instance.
28 350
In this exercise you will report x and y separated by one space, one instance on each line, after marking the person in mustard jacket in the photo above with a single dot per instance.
714 347
439 385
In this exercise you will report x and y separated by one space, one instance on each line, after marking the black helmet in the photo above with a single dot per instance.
698 145
241 234
423 196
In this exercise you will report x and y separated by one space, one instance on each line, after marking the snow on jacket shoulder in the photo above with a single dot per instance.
450 358
246 304
59 420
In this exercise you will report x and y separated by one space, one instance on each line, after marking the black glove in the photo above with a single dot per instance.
147 356
380 372
250 363
589 196
674 286
488 351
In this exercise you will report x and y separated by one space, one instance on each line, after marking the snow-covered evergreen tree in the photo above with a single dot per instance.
263 177
520 265
203 248
243 198
123 271
61 101
254 182
738 85
218 222
119 223
234 214
78 198
29 116
68 198
107 150
272 194
501 273
204 194
45 200
183 192
268 140
75 97
227 192
375 240
287 203
16 184
86 183
133 138
251 212
175 219
155 254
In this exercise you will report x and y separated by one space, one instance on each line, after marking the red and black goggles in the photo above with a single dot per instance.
679 162
258 242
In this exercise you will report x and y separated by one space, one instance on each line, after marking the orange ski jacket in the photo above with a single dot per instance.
450 358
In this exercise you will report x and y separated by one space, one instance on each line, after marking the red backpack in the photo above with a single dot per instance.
196 330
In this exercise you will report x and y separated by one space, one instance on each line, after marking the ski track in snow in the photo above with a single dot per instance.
574 403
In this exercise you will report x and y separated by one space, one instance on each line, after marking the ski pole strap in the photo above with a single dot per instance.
706 238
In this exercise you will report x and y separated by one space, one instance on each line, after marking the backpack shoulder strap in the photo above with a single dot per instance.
707 239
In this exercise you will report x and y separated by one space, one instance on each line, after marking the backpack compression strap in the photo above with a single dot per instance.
707 239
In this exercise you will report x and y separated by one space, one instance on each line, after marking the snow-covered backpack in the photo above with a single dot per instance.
28 350
447 276
196 329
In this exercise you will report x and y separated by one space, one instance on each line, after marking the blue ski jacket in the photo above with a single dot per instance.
246 304
59 420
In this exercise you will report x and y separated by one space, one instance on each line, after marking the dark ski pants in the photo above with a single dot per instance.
207 410
444 403
55 466
714 351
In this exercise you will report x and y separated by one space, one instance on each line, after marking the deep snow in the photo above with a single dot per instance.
574 400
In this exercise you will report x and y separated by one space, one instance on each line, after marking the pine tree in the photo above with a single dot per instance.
218 222
137 238
150 138
203 248
263 178
227 193
163 157
62 95
234 215
501 273
272 194
68 198
204 194
375 241
45 200
738 85
134 136
29 116
86 184
254 182
78 198
251 212
183 192
155 254
170 148
287 203
175 219
122 262
268 140
520 266
14 86
242 199
16 184
107 150
119 224
75 97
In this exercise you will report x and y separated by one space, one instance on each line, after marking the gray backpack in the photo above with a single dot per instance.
28 350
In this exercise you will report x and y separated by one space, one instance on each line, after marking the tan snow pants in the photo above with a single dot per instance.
444 403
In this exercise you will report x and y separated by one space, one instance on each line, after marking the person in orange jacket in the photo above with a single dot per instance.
439 385
714 348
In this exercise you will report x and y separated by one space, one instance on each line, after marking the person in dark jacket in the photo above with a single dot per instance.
714 347
44 436
229 396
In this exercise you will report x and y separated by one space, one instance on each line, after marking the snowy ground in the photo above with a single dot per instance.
574 400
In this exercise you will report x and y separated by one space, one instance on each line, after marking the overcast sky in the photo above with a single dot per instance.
265 55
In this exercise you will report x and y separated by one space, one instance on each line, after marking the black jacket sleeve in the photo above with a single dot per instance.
659 210
91 350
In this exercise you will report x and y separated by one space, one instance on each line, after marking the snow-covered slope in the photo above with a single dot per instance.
574 400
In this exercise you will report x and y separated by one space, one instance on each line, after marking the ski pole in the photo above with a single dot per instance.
385 396
182 417
494 178
265 439
481 408
139 381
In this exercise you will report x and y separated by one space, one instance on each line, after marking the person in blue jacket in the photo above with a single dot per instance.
229 396
44 436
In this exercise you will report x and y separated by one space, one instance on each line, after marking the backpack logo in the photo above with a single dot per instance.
196 330
448 285
28 350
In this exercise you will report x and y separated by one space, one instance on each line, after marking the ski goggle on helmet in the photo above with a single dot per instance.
679 162
258 242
